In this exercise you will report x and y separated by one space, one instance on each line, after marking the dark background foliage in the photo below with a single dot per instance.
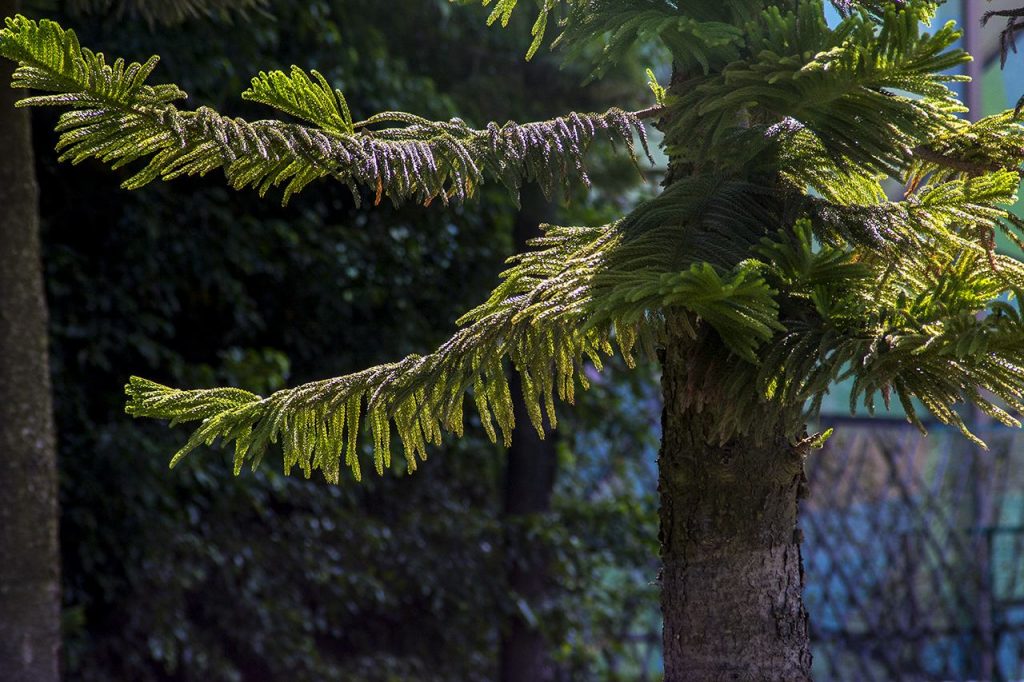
194 574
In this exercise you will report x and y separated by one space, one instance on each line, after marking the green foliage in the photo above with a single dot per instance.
774 253
119 119
548 317
502 12
696 35
310 99
868 89
657 89
696 39
202 575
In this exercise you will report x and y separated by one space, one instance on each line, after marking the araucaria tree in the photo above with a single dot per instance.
773 265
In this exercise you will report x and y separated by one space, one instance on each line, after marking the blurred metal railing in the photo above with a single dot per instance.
914 554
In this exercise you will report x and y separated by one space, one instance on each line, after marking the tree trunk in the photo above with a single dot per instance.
529 481
29 560
732 576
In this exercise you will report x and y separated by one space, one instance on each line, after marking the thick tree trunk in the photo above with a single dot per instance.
731 570
529 481
29 560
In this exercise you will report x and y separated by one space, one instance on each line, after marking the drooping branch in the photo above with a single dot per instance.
967 166
1008 36
787 286
586 289
116 117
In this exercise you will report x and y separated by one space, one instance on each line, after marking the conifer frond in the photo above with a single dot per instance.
942 340
773 253
1008 36
936 336
117 118
802 162
887 293
869 89
697 36
556 308
991 144
697 41
946 215
305 98
901 296
502 13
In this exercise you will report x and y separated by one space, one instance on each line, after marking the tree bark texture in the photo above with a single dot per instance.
732 576
29 559
529 481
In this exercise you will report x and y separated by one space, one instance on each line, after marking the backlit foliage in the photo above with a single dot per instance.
117 117
780 252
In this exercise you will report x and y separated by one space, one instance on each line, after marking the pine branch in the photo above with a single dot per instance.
791 318
992 144
502 13
870 90
700 38
936 333
117 118
1008 36
959 164
556 308
697 36
946 216
774 251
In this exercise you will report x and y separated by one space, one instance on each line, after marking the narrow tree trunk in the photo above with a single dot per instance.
732 576
29 560
529 481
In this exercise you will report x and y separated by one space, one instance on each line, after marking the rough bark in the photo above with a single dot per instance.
29 560
529 481
732 576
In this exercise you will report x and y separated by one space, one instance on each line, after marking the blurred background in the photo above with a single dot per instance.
486 560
